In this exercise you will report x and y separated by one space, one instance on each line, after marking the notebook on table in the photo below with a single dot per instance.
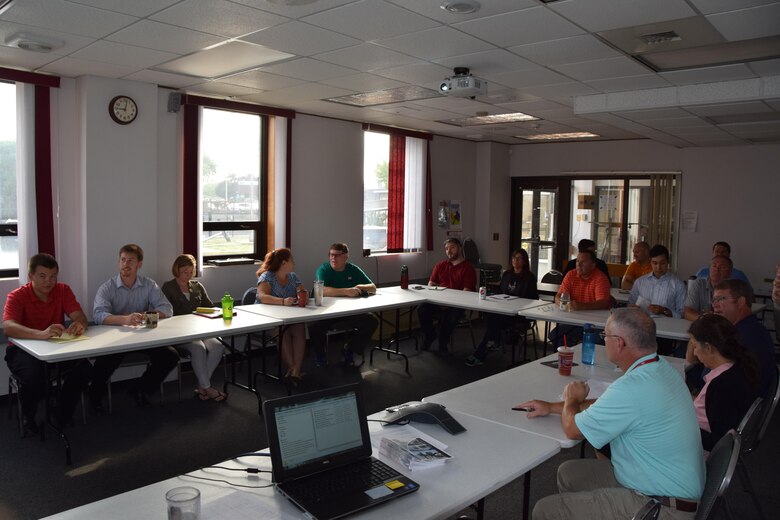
321 454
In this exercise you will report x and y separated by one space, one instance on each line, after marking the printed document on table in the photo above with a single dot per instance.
66 338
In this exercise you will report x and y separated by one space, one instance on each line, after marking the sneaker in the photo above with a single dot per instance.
320 359
349 357
473 361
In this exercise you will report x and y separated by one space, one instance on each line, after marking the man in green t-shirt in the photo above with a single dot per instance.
343 279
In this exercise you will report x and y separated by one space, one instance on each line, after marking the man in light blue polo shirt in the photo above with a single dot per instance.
647 418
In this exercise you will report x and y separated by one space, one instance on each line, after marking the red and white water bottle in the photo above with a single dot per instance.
404 277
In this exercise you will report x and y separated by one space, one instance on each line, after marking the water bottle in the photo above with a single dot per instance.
565 301
588 344
404 277
227 306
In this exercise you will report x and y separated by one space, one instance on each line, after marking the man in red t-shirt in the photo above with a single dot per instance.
453 273
588 289
37 310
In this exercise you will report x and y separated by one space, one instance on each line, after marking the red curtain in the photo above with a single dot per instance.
190 224
395 194
43 190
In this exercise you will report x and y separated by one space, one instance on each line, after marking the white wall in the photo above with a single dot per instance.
734 189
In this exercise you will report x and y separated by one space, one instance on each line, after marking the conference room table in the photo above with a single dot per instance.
492 398
100 340
479 466
336 307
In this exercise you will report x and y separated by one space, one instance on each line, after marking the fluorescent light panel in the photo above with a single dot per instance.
515 117
223 60
384 97
558 137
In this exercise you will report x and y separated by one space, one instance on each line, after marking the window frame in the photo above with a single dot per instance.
192 200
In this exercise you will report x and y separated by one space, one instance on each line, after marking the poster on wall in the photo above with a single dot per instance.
444 215
455 214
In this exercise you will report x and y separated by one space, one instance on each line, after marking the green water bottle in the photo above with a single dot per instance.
227 306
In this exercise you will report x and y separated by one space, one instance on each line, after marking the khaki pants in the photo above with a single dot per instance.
588 490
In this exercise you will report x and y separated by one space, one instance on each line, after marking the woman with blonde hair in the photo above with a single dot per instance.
277 284
186 294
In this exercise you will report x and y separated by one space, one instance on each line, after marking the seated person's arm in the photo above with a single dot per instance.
102 310
370 287
78 323
627 282
350 292
691 314
264 296
159 303
14 329
690 357
591 306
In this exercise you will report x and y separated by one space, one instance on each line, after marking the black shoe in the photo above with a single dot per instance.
29 428
138 396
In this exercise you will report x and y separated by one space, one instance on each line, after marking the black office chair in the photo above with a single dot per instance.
487 272
720 468
553 277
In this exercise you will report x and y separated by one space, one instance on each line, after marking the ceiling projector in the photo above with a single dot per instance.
463 84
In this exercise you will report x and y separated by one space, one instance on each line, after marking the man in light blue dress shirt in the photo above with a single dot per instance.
122 301
659 292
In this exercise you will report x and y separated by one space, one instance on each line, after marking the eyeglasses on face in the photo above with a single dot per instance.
336 255
719 299
603 335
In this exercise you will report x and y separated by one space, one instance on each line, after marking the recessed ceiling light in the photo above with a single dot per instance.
460 6
383 97
224 59
33 42
556 137
514 117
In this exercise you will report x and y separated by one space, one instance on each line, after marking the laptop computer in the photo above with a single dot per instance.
321 454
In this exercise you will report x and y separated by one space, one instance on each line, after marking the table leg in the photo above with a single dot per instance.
396 340
526 494
47 408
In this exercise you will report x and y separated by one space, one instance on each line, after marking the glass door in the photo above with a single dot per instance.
537 234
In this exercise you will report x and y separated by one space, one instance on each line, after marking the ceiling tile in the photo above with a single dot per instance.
439 42
488 62
370 20
17 58
718 6
708 74
258 79
308 91
584 47
750 23
652 114
57 14
308 69
119 53
528 78
422 73
751 107
774 103
602 69
520 27
602 15
164 37
218 17
300 38
133 7
293 11
73 68
628 83
363 82
221 89
563 92
366 57
163 79
765 67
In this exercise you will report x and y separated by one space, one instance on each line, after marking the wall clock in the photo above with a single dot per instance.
123 110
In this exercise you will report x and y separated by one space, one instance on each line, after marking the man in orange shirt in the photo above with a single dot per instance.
639 267
588 289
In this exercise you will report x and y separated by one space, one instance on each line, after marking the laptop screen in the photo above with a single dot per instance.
314 431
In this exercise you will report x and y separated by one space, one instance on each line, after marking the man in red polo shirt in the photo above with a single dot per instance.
37 310
453 273
588 289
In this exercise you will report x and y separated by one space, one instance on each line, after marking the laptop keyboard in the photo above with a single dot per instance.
362 475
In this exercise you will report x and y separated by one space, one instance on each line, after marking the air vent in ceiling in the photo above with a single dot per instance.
661 37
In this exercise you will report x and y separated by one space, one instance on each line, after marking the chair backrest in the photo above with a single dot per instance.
769 406
470 251
250 296
553 277
720 468
750 425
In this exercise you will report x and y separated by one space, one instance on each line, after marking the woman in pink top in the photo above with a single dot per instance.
731 386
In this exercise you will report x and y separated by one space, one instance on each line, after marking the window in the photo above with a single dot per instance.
232 179
393 191
9 243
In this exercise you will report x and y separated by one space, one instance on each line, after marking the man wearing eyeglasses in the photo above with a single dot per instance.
733 299
699 299
343 279
723 249
647 418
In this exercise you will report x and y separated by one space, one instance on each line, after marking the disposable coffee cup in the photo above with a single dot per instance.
183 503
151 319
565 360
